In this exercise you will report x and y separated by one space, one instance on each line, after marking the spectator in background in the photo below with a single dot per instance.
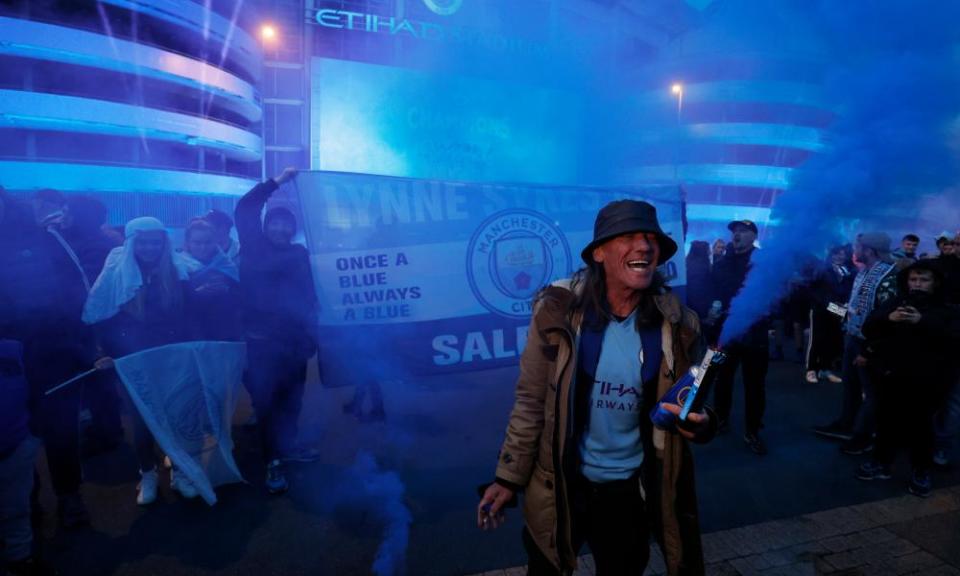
140 301
909 341
214 283
81 233
48 295
22 295
279 315
48 207
719 250
750 349
906 254
949 264
873 286
945 244
948 419
18 453
829 292
698 278
222 225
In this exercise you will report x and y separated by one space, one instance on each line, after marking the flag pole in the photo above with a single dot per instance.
79 376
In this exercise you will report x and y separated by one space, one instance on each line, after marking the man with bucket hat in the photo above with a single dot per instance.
602 348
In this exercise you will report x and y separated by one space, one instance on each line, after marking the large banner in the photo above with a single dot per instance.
425 276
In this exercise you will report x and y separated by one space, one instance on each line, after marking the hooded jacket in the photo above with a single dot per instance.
921 353
276 284
537 440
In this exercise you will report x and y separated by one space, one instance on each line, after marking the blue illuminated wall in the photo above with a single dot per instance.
393 121
151 105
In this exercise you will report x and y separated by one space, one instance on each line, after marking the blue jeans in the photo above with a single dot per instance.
859 404
16 484
948 420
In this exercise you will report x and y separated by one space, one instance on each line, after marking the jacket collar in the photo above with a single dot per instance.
557 300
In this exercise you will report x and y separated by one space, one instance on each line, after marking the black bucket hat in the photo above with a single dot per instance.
625 217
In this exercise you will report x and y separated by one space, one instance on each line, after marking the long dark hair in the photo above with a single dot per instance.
590 287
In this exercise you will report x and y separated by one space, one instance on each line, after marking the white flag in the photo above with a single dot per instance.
186 394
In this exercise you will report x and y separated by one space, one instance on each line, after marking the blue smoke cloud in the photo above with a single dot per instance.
894 86
380 494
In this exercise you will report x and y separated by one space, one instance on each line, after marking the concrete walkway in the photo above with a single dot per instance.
903 535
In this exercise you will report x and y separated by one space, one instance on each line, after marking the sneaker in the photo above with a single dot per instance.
920 484
940 458
147 488
73 513
276 479
755 443
834 378
812 377
182 484
833 430
857 446
873 471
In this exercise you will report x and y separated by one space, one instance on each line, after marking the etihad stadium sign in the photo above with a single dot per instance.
391 25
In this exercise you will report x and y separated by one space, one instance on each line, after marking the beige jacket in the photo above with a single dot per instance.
535 439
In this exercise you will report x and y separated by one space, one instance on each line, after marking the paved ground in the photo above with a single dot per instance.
894 536
412 480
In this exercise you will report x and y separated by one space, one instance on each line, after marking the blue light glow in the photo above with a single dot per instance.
96 178
39 111
44 41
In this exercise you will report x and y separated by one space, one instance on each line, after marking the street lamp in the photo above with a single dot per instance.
268 38
677 90
268 33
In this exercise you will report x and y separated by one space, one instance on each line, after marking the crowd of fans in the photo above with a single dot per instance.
880 322
75 294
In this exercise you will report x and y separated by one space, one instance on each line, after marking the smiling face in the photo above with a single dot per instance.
629 261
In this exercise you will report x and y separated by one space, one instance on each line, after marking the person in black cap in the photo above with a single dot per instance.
580 441
750 350
279 306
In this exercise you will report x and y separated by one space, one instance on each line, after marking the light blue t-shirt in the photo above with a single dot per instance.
611 447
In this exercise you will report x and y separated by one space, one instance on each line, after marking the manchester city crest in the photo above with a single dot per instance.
512 255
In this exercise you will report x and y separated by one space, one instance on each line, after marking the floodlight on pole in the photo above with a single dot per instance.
268 33
677 89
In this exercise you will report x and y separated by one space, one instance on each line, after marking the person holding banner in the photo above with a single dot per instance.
602 348
139 302
279 314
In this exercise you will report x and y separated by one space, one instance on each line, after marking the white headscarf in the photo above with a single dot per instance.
120 279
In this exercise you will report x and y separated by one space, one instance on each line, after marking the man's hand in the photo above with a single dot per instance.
104 363
860 361
489 511
288 174
695 423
